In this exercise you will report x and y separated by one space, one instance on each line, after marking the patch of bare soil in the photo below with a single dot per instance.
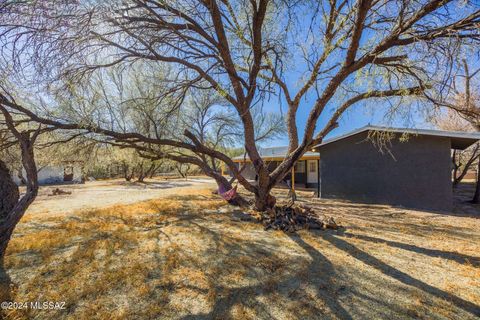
190 256
107 193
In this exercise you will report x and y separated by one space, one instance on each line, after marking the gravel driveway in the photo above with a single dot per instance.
101 194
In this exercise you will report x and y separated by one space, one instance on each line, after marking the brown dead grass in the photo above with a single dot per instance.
184 256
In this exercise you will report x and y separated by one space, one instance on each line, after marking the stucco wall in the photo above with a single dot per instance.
418 177
54 174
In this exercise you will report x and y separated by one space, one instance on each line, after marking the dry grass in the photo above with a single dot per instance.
184 257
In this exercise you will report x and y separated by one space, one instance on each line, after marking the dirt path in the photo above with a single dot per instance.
102 194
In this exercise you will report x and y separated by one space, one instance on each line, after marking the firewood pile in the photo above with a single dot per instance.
290 218
58 192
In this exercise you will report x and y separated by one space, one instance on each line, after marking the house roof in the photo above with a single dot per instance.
460 139
276 153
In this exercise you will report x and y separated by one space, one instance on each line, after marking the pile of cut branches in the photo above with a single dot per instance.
290 218
58 192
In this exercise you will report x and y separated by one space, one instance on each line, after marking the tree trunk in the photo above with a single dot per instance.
20 176
8 192
141 173
476 196
149 172
8 199
12 208
459 177
9 196
154 170
126 172
263 199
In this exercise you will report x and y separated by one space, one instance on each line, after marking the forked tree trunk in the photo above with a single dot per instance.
476 196
152 173
264 201
263 198
143 174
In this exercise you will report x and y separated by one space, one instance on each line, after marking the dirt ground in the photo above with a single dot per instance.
189 256
102 194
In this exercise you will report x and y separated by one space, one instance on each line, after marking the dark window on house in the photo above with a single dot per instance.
300 167
312 167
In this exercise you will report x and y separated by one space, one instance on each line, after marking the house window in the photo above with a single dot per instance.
300 167
312 167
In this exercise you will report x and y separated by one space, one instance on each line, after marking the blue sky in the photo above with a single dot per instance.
356 117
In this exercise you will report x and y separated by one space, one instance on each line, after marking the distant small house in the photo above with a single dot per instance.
66 172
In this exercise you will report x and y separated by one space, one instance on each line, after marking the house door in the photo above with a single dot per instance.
312 171
68 174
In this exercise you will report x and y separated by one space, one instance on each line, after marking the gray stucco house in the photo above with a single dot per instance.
413 169
410 168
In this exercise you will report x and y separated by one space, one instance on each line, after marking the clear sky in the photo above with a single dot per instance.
373 111
356 117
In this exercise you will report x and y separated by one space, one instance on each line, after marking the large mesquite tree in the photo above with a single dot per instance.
318 57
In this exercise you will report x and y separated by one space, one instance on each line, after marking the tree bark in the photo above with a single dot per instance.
9 196
476 196
20 176
13 208
142 174
9 193
263 199
126 172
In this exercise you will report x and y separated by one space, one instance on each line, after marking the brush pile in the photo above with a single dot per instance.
58 192
291 218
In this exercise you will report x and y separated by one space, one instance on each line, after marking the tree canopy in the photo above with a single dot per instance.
324 56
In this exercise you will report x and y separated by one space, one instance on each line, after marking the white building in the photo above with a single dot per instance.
67 172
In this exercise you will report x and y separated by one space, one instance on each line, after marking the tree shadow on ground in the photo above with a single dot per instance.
5 286
462 207
328 281
156 184
393 220
318 266
322 274
450 255
321 266
399 275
